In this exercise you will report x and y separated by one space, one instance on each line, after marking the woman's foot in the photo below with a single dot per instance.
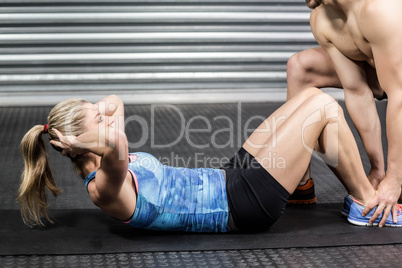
355 216
347 202
304 194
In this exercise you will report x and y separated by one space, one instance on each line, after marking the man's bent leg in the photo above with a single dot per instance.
310 68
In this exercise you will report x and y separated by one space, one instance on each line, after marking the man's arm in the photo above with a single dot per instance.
380 23
361 107
359 101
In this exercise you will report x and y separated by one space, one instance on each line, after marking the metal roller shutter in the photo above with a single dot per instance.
148 51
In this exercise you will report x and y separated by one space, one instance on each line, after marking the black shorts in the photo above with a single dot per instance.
256 200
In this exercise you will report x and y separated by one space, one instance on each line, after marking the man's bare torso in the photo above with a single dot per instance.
342 32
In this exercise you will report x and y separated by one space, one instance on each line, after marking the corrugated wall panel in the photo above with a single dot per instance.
148 51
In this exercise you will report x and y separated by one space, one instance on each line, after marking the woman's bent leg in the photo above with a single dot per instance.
259 137
337 147
287 153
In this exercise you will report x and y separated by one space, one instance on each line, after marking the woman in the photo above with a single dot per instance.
247 194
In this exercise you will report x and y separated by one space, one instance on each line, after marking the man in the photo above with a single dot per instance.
362 39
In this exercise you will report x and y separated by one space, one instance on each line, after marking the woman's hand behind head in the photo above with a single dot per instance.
68 145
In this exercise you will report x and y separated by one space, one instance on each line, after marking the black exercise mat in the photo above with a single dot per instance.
15 121
89 231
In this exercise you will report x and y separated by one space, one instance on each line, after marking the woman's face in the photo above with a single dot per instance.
94 119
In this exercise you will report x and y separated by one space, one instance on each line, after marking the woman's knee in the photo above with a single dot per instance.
310 91
330 106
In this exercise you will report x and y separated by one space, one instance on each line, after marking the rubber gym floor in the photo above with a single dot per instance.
83 236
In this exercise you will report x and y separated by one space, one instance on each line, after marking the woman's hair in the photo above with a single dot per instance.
67 117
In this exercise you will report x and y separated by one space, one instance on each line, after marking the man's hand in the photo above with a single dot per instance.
386 198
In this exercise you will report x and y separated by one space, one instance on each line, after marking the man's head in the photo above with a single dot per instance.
313 3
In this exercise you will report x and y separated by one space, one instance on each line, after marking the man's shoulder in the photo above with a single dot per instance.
322 16
317 12
377 17
372 8
320 24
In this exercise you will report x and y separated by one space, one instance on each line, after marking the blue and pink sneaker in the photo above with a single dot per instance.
355 216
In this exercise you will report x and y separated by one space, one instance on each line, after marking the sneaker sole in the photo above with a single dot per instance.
374 224
393 225
362 223
303 202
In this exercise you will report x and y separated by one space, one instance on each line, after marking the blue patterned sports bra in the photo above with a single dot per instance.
176 199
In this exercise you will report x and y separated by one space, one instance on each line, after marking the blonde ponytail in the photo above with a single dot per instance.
68 117
36 177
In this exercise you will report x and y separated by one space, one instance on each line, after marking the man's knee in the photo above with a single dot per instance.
297 73
297 66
